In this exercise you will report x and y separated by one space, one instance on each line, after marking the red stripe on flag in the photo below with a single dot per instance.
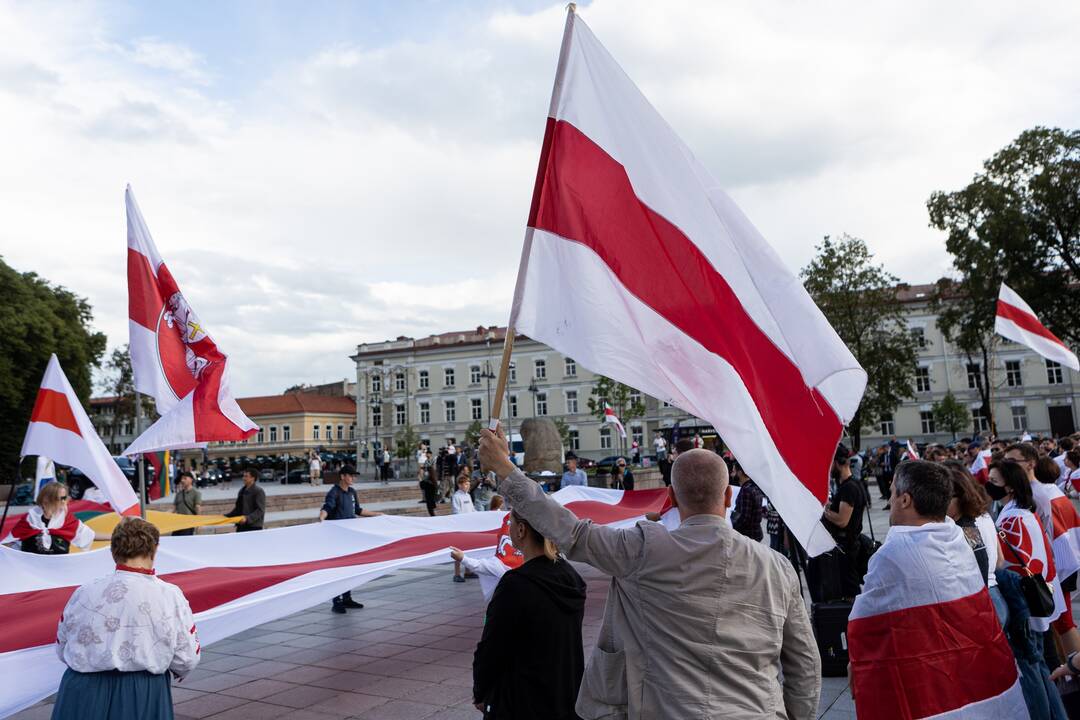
587 198
920 661
52 407
210 423
39 610
1026 321
1064 516
144 298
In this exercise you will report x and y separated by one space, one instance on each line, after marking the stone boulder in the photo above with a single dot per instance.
543 446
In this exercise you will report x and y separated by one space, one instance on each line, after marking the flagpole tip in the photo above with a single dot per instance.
571 8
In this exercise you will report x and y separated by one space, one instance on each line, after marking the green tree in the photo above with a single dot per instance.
861 302
564 432
405 441
36 320
619 396
950 414
1017 221
472 433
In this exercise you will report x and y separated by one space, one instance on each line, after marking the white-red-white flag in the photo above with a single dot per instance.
637 265
912 451
173 358
981 467
1025 548
60 429
611 417
1064 526
1016 321
923 620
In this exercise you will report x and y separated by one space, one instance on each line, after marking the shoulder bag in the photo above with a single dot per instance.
1037 593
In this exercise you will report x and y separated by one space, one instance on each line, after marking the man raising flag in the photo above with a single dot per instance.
173 358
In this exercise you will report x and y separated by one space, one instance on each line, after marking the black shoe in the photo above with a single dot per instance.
471 575
886 506
339 608
352 604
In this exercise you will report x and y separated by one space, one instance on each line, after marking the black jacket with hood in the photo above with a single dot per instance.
529 661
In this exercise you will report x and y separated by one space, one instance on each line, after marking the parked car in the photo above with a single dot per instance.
78 483
605 465
266 475
300 475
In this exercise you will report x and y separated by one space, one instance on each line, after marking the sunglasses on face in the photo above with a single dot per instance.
63 497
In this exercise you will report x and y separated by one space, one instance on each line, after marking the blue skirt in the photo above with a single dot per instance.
113 695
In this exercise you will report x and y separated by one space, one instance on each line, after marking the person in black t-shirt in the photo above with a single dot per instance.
843 519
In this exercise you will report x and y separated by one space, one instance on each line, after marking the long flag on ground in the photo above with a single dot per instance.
1016 321
915 634
60 429
631 244
235 581
173 358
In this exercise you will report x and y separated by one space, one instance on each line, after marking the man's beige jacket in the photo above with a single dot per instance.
700 621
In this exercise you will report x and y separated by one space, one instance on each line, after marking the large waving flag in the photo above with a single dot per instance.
173 358
631 244
923 620
236 581
60 429
1016 321
611 417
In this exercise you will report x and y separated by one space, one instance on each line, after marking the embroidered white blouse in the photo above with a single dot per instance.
128 621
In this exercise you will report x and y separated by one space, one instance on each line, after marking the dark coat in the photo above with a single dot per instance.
251 503
529 661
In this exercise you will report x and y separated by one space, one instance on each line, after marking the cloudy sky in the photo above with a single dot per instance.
321 174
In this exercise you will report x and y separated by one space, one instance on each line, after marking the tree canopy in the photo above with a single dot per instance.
36 320
860 300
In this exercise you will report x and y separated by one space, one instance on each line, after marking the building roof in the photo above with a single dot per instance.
495 334
297 403
106 400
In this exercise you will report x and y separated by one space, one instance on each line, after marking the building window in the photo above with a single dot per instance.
476 409
474 374
1053 374
399 414
979 420
450 411
315 432
635 397
340 432
513 373
926 417
425 413
575 440
888 427
273 433
922 379
605 438
329 433
637 435
352 432
286 433
918 334
423 379
259 436
540 369
541 404
376 416
1019 417
376 383
571 402
974 371
1012 373
448 377
571 368
513 406
399 382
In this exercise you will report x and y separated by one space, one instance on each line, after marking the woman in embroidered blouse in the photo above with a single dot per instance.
121 636
48 529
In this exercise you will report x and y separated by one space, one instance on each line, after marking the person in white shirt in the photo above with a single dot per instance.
461 502
660 445
122 635
315 468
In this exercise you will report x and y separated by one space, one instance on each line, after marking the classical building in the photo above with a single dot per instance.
441 384
114 421
1028 393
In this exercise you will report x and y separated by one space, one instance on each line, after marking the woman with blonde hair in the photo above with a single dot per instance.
122 635
49 529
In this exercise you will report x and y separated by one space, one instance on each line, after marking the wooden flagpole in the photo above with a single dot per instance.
508 341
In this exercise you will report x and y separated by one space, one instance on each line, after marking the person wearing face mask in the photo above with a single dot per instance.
529 661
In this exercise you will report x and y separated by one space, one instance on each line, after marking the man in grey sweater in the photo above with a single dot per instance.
700 622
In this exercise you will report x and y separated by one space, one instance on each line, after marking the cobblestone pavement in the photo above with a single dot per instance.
406 655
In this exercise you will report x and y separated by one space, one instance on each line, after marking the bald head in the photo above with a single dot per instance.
699 479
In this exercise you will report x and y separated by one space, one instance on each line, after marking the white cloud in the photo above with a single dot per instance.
363 192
